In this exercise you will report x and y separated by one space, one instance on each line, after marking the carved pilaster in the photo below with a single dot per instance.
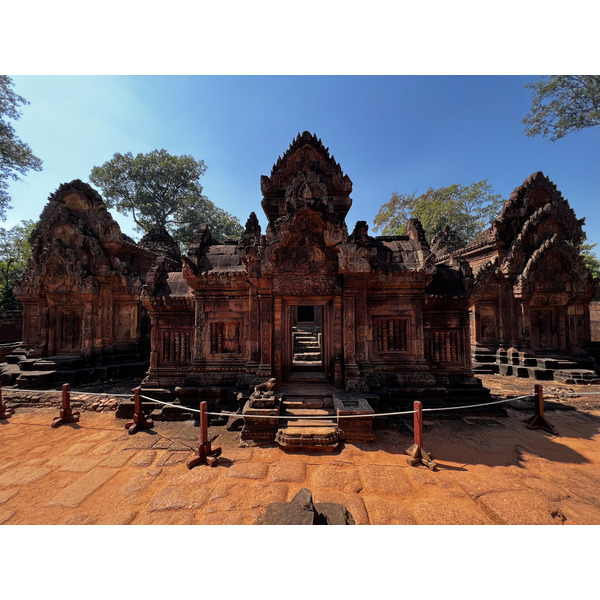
349 336
49 316
154 341
199 327
87 328
338 377
253 330
362 349
266 309
526 325
562 331
419 333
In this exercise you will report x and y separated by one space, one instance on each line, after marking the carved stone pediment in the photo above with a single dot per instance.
307 285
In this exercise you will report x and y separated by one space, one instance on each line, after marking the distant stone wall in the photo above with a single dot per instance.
11 326
595 321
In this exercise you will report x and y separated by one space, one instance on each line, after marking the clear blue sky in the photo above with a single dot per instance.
389 133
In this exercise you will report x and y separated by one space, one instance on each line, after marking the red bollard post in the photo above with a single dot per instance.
538 420
5 412
140 420
66 414
416 454
206 454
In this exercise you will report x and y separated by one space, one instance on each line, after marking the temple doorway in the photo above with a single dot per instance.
544 329
69 330
305 348
307 339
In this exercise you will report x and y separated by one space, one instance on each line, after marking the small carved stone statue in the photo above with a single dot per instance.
264 389
263 395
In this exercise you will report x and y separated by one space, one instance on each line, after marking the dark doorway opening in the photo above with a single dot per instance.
307 340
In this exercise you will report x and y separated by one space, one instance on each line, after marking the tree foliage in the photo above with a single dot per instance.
562 104
591 262
14 254
160 189
16 157
466 209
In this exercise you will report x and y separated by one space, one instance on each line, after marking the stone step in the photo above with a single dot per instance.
303 438
35 379
312 412
307 403
312 423
308 356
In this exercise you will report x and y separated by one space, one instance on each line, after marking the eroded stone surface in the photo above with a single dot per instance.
86 485
22 476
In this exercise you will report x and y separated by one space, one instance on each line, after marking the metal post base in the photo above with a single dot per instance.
539 422
416 455
6 412
66 416
206 455
140 421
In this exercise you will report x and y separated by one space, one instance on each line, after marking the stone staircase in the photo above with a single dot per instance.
307 345
326 433
565 369
49 371
301 434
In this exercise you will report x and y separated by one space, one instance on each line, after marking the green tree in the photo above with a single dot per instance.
562 104
467 209
591 262
160 189
14 254
16 157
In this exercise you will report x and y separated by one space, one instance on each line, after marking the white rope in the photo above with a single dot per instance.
477 405
329 417
290 417
287 417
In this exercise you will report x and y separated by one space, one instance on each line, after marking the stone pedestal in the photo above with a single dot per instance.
354 429
261 430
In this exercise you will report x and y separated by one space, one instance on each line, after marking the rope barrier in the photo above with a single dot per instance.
329 417
295 417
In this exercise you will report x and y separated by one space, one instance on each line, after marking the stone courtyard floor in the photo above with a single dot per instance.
491 470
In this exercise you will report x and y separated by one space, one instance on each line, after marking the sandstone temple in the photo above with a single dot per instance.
362 321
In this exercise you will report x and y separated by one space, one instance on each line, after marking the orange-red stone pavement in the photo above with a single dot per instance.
492 470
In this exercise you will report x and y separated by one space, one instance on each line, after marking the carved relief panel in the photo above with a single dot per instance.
391 335
224 337
176 346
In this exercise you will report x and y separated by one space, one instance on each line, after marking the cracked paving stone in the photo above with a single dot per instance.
5 515
23 475
119 459
6 495
386 480
85 486
248 470
171 498
122 517
80 520
288 471
81 448
142 441
387 512
144 459
81 464
341 478
171 458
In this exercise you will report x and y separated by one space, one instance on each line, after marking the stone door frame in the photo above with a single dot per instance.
283 345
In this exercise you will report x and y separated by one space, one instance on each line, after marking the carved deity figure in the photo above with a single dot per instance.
264 389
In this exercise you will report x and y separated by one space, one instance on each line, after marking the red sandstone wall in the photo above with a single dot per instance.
595 321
